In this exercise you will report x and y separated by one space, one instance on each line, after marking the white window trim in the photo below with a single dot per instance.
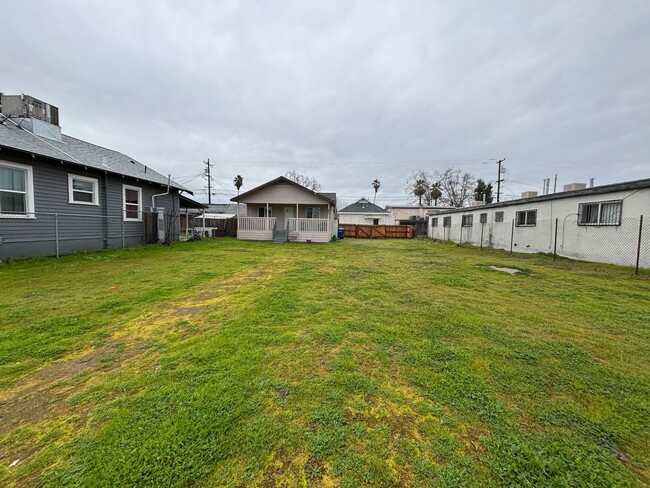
312 212
29 192
525 212
139 190
599 217
71 190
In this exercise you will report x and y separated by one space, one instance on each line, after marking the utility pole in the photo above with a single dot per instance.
499 179
206 173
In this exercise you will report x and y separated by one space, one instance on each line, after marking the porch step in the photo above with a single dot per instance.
280 236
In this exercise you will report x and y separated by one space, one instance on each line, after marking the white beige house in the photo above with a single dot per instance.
365 212
282 210
601 224
412 212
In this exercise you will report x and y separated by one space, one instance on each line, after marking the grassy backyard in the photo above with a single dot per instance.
384 363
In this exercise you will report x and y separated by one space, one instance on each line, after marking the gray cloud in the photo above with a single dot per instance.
346 91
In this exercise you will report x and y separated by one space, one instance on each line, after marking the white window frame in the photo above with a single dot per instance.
313 210
526 218
139 190
71 190
29 192
599 218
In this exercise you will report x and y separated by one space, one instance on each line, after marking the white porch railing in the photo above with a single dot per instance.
309 225
256 224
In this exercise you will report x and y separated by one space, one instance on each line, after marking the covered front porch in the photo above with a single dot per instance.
281 210
286 230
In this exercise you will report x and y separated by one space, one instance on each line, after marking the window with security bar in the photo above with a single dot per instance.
600 213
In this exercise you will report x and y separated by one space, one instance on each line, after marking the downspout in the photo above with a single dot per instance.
153 201
161 216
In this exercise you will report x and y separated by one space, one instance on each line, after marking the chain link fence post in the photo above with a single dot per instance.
555 240
122 231
512 235
638 246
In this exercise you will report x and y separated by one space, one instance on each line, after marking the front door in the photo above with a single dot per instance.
288 214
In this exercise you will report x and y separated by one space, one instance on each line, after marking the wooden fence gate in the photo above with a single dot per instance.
361 231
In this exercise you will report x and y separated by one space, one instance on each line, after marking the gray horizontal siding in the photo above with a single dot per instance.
80 227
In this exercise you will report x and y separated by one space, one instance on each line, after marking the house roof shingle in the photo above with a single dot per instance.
76 151
363 206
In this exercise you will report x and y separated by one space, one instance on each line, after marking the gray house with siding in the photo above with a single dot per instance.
59 194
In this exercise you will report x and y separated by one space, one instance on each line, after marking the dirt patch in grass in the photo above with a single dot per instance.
38 396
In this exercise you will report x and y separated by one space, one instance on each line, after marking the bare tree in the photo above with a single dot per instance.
303 180
451 187
376 184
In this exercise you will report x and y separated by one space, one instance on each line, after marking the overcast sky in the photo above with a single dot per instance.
346 91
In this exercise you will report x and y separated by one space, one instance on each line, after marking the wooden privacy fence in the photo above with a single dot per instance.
360 231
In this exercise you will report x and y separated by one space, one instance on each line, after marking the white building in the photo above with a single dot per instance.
365 212
600 224
412 212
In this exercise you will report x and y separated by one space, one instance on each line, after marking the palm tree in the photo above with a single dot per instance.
435 193
420 189
376 185
239 182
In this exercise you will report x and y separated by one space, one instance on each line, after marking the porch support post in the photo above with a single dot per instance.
297 211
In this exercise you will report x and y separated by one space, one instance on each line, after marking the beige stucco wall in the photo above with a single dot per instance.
405 213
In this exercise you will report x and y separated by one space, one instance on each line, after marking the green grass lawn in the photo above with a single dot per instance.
383 363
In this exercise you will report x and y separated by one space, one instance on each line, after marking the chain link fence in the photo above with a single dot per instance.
55 234
627 243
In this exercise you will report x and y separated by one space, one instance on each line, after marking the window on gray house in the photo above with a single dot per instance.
483 218
498 216
261 211
468 220
446 221
434 222
83 190
13 190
